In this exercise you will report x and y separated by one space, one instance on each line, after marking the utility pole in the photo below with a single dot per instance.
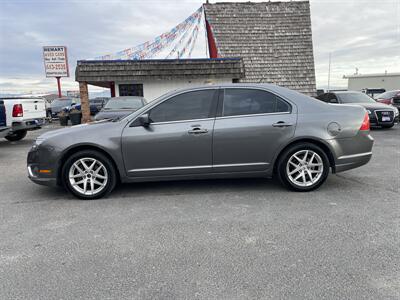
329 72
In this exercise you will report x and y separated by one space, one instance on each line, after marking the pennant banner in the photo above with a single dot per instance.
187 30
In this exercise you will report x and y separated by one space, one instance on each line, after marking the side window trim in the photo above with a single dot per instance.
222 98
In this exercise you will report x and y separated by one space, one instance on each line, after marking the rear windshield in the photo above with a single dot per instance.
355 98
61 102
387 95
124 103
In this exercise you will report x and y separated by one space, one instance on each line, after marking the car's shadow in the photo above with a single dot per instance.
191 187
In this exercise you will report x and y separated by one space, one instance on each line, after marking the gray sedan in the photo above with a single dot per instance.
238 130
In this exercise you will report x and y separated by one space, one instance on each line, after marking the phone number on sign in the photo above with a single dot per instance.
55 67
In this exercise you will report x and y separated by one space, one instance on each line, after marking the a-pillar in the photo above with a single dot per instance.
85 106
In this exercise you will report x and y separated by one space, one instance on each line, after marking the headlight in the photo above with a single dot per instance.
369 112
396 112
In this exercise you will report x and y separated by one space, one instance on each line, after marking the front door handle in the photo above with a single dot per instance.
197 130
282 124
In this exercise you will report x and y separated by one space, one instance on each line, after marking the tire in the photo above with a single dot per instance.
16 136
103 182
317 166
388 126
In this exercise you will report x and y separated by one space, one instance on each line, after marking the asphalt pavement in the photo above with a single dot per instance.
221 239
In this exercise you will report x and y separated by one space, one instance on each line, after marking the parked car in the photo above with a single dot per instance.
237 130
24 114
379 114
57 105
119 107
96 105
4 129
390 97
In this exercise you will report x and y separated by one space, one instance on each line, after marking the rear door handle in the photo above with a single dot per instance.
282 124
197 130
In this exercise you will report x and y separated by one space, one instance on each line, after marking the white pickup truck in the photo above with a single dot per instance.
22 115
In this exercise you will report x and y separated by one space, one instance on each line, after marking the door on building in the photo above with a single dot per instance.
178 140
131 90
250 127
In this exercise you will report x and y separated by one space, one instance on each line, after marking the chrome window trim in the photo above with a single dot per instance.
254 115
181 121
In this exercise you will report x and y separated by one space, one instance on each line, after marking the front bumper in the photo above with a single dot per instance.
34 176
42 166
374 120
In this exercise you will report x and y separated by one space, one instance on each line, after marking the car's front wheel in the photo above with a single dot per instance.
89 175
303 167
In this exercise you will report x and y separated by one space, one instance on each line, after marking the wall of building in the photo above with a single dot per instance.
387 82
152 89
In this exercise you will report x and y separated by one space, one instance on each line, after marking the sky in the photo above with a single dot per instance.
362 34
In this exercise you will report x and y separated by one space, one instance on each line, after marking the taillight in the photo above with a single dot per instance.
365 123
17 111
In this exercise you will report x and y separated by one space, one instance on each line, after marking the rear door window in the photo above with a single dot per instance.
252 101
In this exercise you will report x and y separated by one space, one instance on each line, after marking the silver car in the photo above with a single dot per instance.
238 130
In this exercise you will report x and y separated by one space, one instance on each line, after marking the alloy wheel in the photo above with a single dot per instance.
304 168
88 176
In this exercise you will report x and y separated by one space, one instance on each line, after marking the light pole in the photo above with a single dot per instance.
329 72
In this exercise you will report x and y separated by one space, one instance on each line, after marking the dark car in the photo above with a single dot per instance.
96 105
233 130
390 97
119 107
379 114
4 129
57 105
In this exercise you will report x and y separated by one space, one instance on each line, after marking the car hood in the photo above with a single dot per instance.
75 129
113 113
374 105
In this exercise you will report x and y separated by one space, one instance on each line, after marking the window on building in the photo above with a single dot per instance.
187 106
252 101
131 90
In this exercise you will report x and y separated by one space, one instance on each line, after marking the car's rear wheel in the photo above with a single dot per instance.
303 167
89 175
16 136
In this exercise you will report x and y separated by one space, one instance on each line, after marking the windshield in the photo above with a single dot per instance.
64 102
355 98
387 95
124 103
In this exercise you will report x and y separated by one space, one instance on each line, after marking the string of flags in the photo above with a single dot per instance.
176 37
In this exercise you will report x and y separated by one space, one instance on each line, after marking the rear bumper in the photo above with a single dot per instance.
348 162
4 131
31 124
350 153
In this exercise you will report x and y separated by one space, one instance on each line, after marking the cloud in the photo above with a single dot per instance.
362 34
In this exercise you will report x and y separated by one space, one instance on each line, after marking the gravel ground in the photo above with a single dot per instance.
222 239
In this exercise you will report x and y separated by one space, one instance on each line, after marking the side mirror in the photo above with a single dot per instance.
144 120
